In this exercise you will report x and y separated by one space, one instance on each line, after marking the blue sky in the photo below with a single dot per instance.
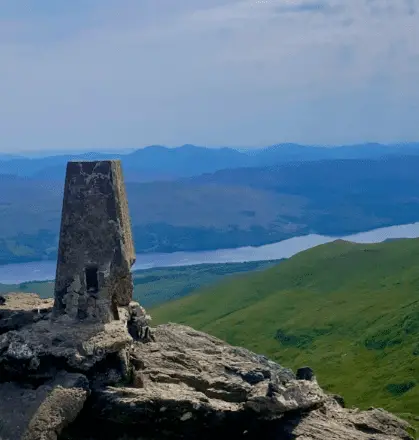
106 74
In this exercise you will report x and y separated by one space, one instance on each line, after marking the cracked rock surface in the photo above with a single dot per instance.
20 309
65 380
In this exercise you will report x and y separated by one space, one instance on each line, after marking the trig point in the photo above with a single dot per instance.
96 250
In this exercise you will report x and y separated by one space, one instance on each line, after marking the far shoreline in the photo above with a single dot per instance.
44 270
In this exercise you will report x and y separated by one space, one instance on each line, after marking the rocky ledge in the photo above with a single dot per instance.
66 380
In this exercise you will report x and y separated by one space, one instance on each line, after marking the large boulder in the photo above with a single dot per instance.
41 413
41 350
332 422
189 381
187 384
61 379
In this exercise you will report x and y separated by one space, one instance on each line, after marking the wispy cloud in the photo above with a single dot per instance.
93 73
310 6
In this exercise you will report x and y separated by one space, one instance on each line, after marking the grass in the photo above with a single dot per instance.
350 311
155 286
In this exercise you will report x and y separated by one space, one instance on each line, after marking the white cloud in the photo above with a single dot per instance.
237 72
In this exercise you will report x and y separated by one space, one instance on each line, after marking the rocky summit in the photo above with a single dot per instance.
64 379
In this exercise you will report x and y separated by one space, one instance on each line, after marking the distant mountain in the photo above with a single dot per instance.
31 167
162 163
228 208
6 157
293 152
147 164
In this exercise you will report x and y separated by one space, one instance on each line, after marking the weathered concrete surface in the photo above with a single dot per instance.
20 309
95 235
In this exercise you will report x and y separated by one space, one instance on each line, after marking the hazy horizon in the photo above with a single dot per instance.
89 75
122 150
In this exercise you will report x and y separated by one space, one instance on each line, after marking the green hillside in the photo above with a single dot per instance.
349 311
157 285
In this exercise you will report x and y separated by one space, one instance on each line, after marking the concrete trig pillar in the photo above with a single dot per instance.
96 250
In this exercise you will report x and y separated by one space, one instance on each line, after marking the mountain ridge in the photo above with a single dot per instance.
160 162
228 208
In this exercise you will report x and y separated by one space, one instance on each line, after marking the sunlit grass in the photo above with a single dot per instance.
349 311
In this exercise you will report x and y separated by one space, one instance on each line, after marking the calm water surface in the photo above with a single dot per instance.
45 270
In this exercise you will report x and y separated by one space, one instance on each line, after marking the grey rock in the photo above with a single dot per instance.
138 323
18 310
181 384
305 373
41 350
190 376
332 422
187 384
339 399
41 413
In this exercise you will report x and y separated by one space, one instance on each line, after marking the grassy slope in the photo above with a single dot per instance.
154 286
350 311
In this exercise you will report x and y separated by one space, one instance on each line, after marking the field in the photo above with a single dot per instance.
349 311
155 286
